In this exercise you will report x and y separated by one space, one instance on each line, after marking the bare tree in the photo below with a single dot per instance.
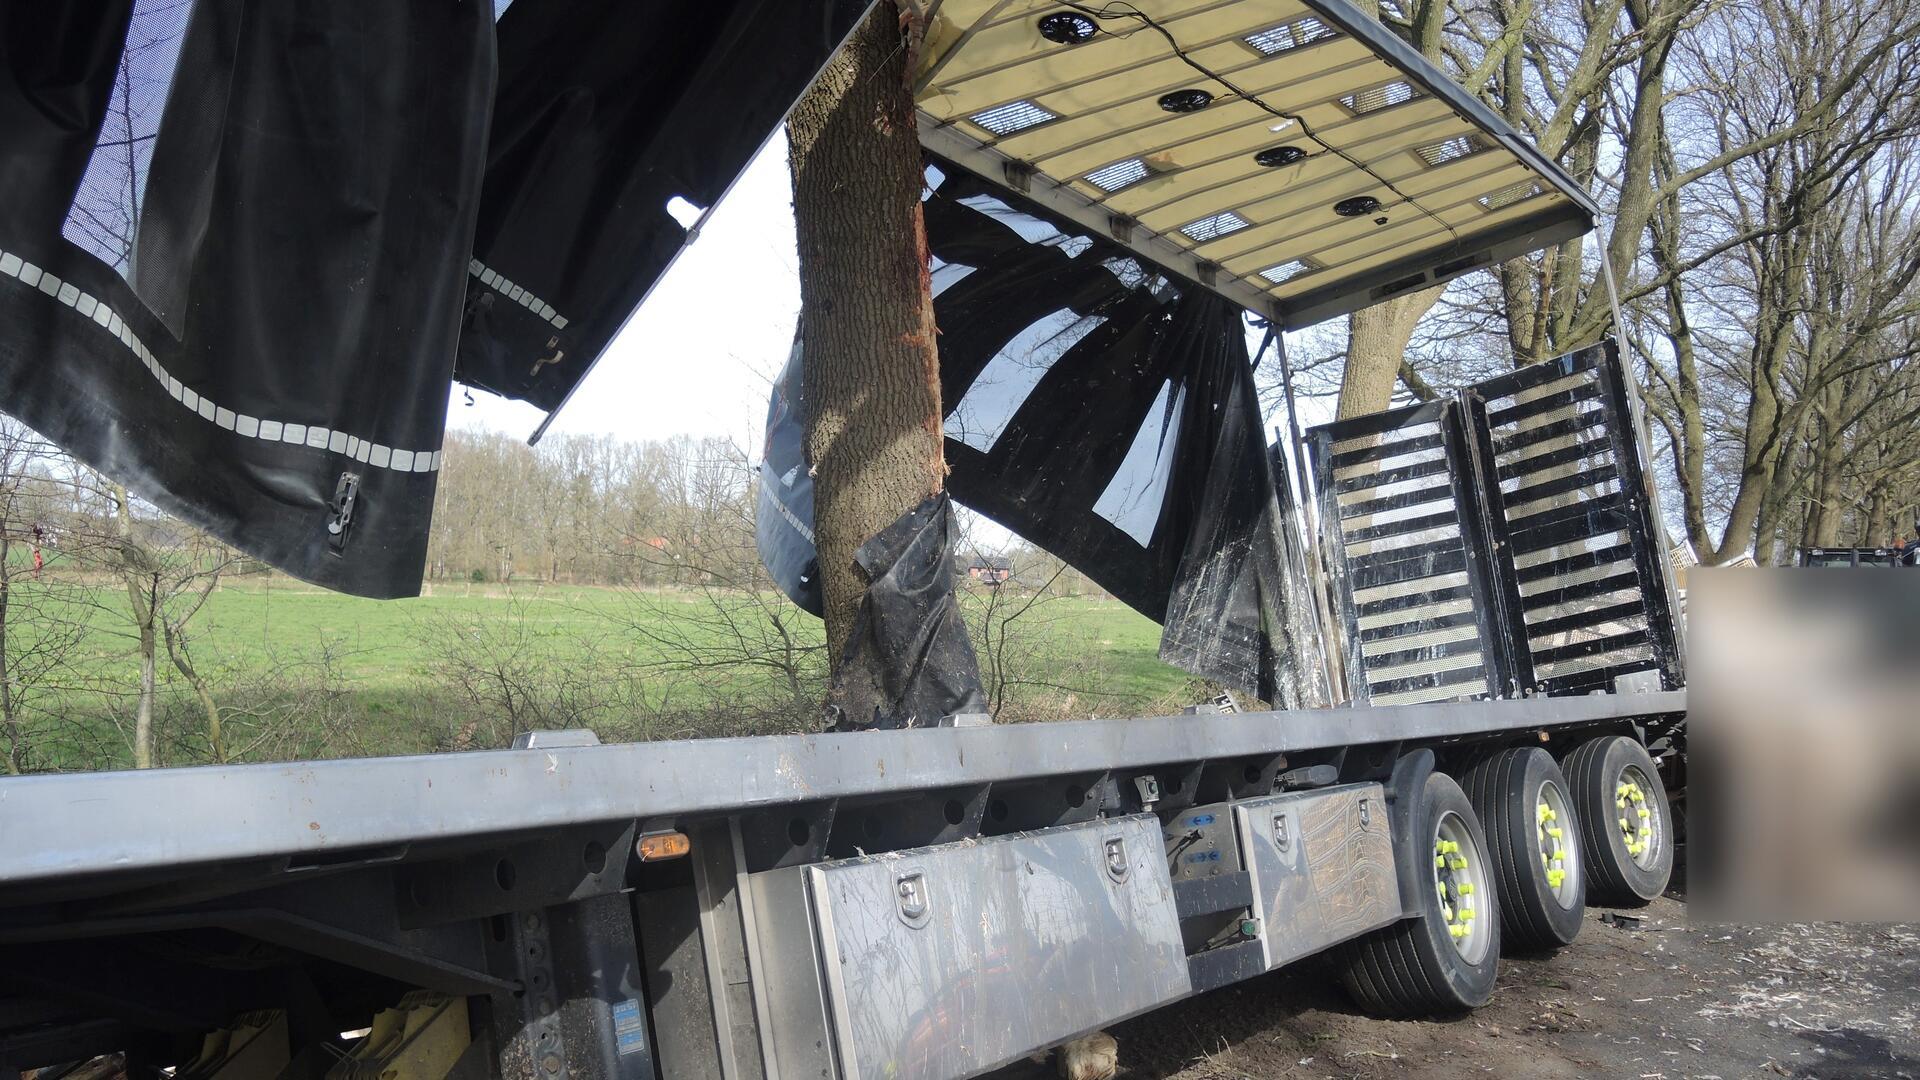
724 621
1785 275
44 612
1600 88
1037 660
167 570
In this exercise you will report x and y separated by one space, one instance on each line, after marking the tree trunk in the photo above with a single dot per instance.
872 385
143 711
1830 497
177 652
1377 340
1877 528
16 743
142 598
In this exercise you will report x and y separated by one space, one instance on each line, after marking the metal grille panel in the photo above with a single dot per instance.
1401 549
1568 507
1502 541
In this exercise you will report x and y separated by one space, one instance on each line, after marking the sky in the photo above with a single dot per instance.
699 356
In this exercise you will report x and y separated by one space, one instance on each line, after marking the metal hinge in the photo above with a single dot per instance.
1117 865
910 892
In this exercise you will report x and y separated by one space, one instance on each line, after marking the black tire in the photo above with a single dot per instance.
1616 875
1534 848
1414 968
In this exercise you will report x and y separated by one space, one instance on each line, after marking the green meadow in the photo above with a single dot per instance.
299 672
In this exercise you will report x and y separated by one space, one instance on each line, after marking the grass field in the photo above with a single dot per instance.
464 665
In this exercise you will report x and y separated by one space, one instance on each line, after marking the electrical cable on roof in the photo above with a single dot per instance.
1126 11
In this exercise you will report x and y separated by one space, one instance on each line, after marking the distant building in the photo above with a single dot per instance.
990 569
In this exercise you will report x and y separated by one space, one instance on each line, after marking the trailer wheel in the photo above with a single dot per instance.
1626 825
1526 807
1445 960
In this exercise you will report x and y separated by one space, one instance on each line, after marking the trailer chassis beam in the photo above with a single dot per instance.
71 826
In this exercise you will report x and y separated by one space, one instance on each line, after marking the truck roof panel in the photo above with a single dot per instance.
1296 157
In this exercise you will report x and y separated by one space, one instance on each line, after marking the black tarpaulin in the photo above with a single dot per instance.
607 111
233 253
909 652
1105 411
245 247
783 513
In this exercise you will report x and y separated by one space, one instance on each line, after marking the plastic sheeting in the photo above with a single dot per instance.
1105 411
607 110
783 515
908 653
233 253
245 247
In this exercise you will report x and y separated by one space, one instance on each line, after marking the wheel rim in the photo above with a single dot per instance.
1637 815
1459 884
1558 858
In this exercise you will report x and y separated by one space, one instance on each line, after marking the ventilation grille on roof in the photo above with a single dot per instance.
1011 117
1213 227
1453 149
1291 35
1287 271
1118 175
1362 102
1507 196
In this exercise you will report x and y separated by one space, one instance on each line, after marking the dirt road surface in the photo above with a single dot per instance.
1654 999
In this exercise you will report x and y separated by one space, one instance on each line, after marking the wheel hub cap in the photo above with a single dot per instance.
1634 814
1456 884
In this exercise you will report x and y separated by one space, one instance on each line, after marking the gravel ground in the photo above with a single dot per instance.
1647 997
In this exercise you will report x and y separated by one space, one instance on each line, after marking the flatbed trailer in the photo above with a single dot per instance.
886 903
936 902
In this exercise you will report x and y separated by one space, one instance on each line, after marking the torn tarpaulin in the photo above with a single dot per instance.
233 254
783 514
607 111
1105 410
908 662
245 247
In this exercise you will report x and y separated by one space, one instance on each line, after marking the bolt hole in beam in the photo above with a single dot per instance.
504 875
799 832
956 813
594 857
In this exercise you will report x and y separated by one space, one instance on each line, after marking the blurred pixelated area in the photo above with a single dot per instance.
1804 772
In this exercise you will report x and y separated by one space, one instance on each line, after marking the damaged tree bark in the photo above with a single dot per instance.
872 382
